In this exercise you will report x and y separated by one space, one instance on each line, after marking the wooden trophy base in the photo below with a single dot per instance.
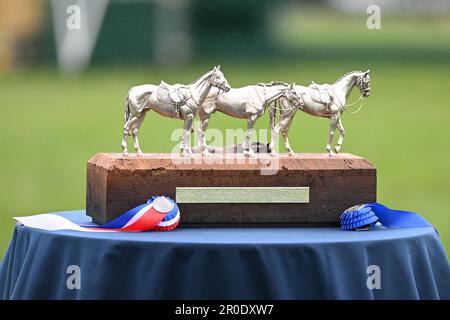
233 190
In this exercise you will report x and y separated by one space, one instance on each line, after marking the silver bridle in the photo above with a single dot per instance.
221 85
363 85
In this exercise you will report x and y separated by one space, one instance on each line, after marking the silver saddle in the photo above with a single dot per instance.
176 94
324 93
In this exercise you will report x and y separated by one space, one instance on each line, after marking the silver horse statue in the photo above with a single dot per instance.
327 101
245 103
173 101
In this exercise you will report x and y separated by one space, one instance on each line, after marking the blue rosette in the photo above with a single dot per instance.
364 216
359 217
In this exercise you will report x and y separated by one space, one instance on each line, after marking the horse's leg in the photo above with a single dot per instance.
282 126
186 150
204 118
274 138
125 135
285 133
341 129
127 129
135 132
333 124
248 151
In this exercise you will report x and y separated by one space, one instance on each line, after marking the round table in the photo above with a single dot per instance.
225 263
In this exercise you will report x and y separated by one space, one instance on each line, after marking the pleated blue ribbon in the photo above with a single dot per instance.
367 215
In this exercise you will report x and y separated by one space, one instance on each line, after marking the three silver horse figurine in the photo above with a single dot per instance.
211 93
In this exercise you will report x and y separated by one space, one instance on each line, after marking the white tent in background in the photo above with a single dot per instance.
77 24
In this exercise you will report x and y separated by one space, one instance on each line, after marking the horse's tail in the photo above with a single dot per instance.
272 114
127 109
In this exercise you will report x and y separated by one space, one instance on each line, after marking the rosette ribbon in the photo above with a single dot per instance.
364 216
159 214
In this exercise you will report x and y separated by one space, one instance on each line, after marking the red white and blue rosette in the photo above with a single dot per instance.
157 214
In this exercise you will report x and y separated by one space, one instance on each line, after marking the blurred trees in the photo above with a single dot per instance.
20 21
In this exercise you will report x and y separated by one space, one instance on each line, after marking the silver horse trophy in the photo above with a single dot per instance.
249 103
321 100
174 101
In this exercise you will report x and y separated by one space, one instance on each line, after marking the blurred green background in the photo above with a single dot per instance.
58 108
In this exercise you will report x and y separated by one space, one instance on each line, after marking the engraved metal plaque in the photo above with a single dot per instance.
242 195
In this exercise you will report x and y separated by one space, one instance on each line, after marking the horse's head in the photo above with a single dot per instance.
293 96
363 83
218 80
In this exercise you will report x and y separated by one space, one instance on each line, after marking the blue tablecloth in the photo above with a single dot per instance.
250 263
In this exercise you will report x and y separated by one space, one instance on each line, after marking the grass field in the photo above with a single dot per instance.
326 29
51 125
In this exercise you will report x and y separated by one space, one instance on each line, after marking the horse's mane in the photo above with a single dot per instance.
202 77
205 75
271 83
347 74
